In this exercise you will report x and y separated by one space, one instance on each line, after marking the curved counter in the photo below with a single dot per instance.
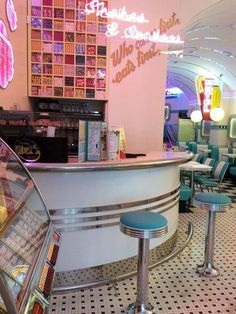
85 201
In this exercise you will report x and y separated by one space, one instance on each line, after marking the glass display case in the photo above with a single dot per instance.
28 243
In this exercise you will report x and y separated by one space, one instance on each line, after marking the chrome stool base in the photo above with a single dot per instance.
136 308
213 203
144 225
208 270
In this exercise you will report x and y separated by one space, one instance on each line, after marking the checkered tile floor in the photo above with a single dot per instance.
174 288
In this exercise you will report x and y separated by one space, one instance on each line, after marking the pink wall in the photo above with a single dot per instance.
137 102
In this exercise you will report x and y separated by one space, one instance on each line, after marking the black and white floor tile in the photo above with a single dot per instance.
175 287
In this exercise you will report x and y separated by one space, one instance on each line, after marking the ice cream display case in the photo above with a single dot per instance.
28 243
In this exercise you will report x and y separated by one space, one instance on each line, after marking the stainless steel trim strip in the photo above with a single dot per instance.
143 233
67 225
173 254
114 206
98 220
67 228
99 215
211 207
107 166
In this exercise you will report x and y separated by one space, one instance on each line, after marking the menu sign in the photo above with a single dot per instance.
93 140
82 140
6 57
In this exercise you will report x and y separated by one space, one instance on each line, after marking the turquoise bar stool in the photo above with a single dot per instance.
213 203
144 225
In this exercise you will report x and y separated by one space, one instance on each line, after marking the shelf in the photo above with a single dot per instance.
64 44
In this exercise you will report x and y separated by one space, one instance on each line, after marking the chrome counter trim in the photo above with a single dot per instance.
83 224
100 216
124 164
118 206
114 279
77 219
115 222
72 228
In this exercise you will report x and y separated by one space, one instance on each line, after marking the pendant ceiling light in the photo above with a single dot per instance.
217 114
196 116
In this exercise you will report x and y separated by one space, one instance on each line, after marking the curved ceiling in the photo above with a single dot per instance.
209 46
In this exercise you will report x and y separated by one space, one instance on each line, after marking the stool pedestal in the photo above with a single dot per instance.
207 269
141 306
143 225
213 203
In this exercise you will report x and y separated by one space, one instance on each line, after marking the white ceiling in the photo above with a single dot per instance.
210 46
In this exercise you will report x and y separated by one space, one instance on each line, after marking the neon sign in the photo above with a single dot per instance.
171 22
6 50
155 36
132 32
6 57
121 14
11 15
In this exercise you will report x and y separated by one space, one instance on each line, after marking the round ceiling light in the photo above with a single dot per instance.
217 114
196 116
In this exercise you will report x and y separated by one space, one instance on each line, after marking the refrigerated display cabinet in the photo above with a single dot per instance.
28 242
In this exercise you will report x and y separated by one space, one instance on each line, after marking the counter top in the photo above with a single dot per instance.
152 159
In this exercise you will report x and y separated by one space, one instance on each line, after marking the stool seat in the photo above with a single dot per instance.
143 224
212 201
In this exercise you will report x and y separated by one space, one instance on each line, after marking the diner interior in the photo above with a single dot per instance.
209 49
88 198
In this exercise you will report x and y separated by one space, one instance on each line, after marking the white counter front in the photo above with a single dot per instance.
85 201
